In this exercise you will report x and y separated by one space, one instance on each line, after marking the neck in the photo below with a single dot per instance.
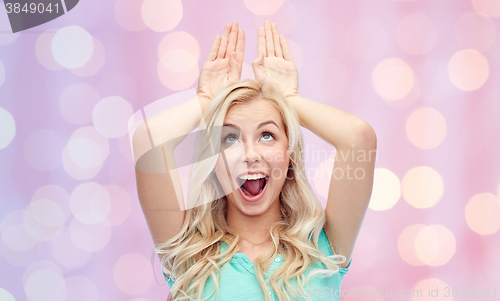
253 228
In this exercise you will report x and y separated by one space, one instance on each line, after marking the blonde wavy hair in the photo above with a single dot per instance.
191 256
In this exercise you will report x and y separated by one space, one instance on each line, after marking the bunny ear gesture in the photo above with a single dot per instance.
274 63
224 63
225 60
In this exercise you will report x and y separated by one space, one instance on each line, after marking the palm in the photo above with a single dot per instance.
281 72
216 75
275 64
222 68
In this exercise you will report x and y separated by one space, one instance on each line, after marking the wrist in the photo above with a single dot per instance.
203 98
293 97
203 101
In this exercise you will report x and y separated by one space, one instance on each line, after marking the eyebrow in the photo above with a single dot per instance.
266 123
232 125
260 125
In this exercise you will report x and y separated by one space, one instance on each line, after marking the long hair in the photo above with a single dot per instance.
193 255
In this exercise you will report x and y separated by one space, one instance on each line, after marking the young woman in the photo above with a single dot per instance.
253 228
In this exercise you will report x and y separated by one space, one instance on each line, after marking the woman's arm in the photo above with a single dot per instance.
354 139
352 180
335 126
158 184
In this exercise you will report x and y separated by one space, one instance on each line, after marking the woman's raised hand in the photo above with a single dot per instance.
274 63
224 63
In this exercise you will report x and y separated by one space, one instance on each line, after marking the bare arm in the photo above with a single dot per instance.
348 196
352 180
158 183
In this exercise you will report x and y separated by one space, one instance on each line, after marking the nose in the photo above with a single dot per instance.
252 153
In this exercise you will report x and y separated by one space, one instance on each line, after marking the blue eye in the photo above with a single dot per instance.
231 138
267 136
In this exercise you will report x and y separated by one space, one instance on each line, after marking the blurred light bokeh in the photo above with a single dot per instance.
424 74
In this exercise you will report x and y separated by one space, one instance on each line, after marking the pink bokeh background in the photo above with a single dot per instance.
424 74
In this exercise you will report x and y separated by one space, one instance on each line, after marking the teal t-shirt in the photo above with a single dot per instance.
238 280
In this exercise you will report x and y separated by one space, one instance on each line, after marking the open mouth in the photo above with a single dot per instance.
252 187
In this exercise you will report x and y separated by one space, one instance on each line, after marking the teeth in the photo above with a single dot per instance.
252 177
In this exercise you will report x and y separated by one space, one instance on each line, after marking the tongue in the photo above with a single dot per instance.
253 186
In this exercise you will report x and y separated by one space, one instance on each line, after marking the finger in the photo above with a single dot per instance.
259 60
269 38
276 41
215 46
257 65
286 50
240 46
261 41
231 46
223 44
258 68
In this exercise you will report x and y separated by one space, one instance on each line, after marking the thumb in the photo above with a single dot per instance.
259 60
258 68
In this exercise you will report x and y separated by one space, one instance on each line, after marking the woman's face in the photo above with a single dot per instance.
253 159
